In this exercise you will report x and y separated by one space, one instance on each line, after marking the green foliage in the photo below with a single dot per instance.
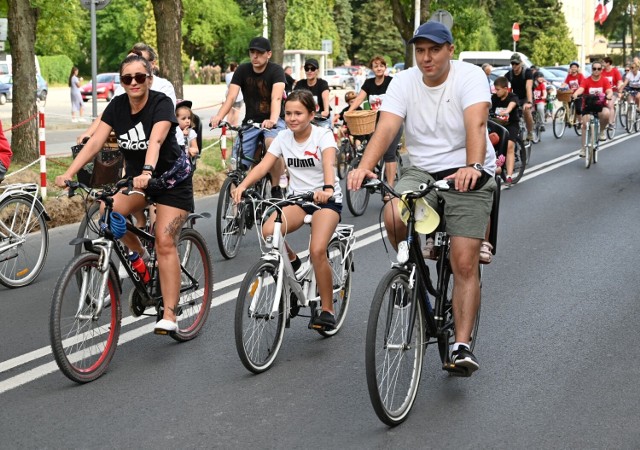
551 50
472 25
374 33
149 34
342 17
61 24
55 69
308 22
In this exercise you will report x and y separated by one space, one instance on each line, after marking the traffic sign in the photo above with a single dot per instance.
4 26
99 3
515 32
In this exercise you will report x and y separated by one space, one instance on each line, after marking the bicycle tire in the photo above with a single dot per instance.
229 221
195 295
589 140
258 335
341 275
393 366
342 158
611 130
577 124
83 348
521 162
537 129
559 122
21 264
445 341
357 201
85 230
630 119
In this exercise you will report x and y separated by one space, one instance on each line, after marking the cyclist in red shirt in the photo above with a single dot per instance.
612 74
5 154
574 77
595 84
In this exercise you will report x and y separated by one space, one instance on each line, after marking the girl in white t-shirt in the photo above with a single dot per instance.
185 135
309 153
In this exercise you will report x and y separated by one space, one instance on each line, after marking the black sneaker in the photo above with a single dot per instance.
323 321
464 358
276 192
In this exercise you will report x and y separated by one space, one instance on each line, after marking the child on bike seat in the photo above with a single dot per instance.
309 153
349 98
5 154
185 135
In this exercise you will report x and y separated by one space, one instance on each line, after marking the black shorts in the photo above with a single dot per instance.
514 131
180 196
332 205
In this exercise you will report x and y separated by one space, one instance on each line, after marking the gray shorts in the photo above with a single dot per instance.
466 213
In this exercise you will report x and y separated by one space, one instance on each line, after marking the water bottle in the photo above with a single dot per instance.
139 266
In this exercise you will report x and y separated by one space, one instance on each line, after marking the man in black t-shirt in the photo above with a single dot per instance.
262 83
319 88
521 80
504 105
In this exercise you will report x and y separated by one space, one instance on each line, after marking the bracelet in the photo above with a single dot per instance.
328 186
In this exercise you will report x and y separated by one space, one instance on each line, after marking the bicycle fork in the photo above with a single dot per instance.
103 269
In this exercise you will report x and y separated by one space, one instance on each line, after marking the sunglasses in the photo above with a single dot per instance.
515 64
593 69
139 77
310 69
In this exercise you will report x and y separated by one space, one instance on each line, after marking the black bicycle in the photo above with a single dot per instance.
86 310
233 221
403 321
520 150
357 201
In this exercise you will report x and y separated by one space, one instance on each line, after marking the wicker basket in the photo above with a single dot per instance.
361 122
564 96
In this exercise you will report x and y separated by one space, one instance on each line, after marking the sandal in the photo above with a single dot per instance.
486 254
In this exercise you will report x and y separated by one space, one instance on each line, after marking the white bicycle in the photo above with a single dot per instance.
24 235
271 294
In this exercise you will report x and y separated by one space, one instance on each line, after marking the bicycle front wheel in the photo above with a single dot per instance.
559 122
341 266
229 221
82 341
357 201
24 240
622 114
393 360
89 226
590 143
196 285
259 319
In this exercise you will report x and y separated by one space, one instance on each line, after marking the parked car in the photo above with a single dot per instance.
107 85
339 77
397 67
552 78
6 89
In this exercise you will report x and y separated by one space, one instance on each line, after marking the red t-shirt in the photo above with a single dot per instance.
5 149
538 93
574 81
613 76
595 87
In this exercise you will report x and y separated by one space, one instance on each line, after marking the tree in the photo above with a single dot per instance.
549 50
61 25
277 14
403 18
22 36
375 34
343 17
168 15
308 23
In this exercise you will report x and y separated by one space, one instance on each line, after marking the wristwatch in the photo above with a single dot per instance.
476 166
148 167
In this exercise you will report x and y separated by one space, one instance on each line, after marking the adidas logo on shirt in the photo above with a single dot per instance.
134 139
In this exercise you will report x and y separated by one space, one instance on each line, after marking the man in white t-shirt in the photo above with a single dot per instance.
444 105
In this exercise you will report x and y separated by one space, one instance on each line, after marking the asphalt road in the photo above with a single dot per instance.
559 364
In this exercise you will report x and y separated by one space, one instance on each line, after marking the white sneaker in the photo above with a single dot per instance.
165 327
603 136
583 152
122 272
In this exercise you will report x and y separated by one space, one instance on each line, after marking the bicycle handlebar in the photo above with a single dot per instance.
423 189
242 128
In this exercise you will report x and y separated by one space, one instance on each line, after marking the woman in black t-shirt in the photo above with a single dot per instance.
144 122
373 90
319 88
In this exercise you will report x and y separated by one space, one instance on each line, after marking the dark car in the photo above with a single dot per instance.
6 89
107 85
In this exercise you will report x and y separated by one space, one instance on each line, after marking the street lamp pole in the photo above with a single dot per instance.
94 61
416 22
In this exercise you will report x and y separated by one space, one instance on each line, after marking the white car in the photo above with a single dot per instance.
339 78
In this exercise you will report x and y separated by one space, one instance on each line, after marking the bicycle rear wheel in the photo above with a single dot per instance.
520 165
611 130
259 330
24 240
559 122
622 114
393 362
357 201
82 343
341 275
229 221
537 128
342 158
196 285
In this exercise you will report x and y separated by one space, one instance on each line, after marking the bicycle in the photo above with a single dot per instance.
24 234
357 201
520 150
538 126
402 320
272 293
632 123
345 154
86 312
623 100
566 118
591 106
233 221
611 127
523 132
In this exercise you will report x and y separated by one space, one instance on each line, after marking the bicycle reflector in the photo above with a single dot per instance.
427 218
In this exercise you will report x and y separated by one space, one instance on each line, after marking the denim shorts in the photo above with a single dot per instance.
466 213
250 141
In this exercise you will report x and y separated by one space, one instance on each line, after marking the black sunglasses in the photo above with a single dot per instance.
593 69
139 77
310 69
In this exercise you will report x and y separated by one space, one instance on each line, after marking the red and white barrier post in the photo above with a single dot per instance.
43 156
223 146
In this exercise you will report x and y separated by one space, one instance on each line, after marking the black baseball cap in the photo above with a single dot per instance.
187 103
312 62
260 43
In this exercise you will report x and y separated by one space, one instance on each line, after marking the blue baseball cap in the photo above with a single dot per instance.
433 31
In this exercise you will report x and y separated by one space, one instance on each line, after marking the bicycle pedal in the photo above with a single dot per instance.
456 370
162 332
